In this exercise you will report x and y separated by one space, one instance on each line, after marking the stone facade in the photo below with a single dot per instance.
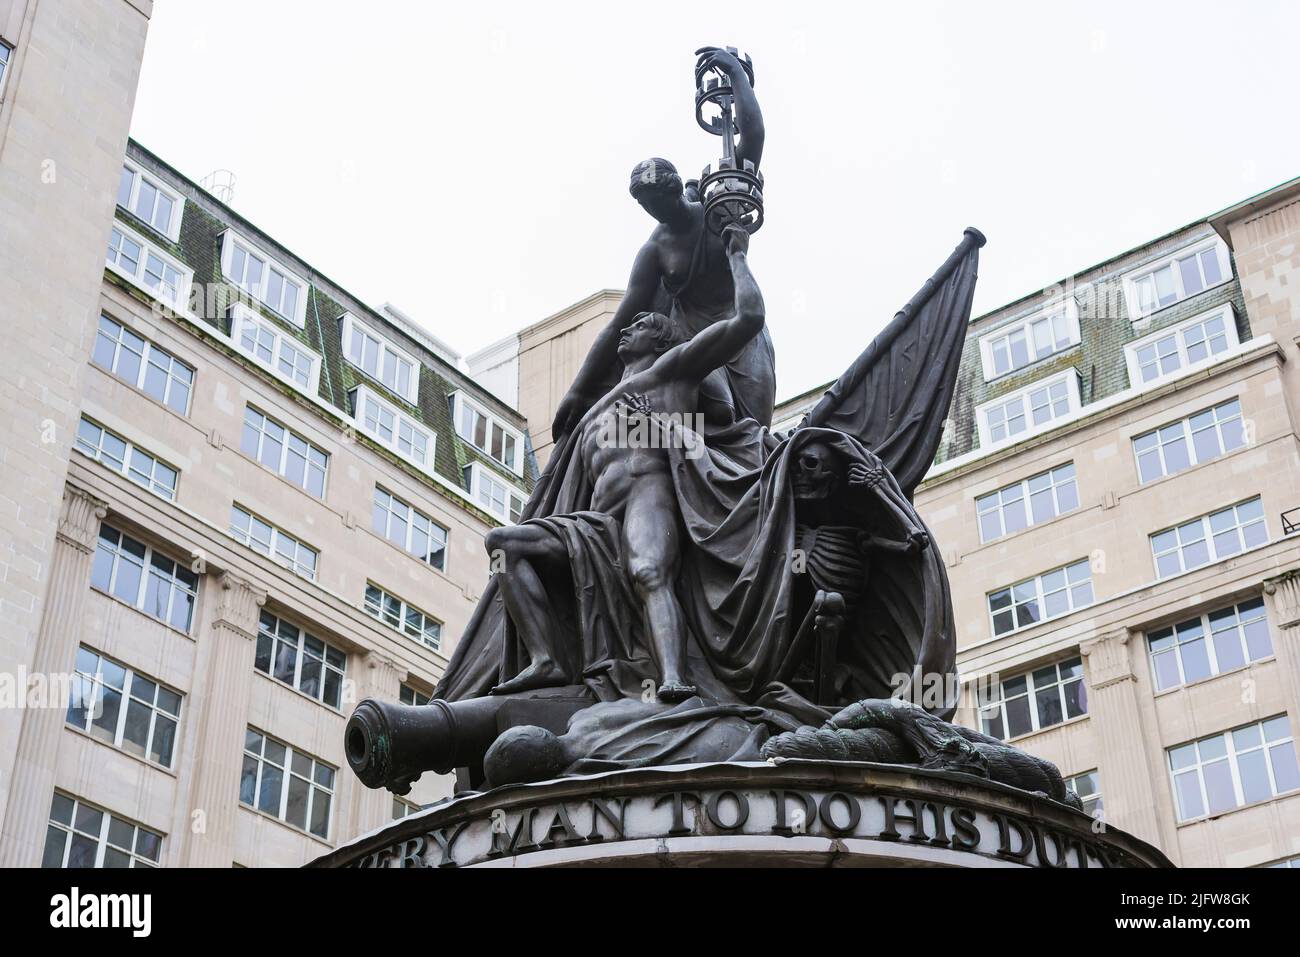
212 800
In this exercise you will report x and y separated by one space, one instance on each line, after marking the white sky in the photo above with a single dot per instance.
469 162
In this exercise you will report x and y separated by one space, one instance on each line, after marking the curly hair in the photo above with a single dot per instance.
654 175
665 331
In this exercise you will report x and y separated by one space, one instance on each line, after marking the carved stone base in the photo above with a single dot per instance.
790 813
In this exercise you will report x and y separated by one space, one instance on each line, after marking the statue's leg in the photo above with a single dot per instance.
523 549
651 543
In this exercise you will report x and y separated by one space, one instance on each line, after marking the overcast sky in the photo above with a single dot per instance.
469 162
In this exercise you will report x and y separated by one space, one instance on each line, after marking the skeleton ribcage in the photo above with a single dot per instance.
833 561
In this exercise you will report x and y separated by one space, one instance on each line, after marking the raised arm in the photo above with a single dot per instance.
749 118
720 342
642 287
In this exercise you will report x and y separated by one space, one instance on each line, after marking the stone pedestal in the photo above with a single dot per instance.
790 813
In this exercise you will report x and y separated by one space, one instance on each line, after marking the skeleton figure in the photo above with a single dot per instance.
833 561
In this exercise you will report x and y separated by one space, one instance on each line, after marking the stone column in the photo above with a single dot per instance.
1283 594
228 677
378 677
1126 774
28 810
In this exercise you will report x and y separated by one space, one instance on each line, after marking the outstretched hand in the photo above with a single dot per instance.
864 476
720 58
736 239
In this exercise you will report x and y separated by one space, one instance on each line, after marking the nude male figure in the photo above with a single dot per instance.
633 485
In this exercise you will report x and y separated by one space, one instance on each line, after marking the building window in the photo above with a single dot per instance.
278 545
1190 441
502 500
1041 598
300 660
1209 538
411 696
131 256
1037 499
380 359
1034 701
405 617
6 51
1175 278
1248 764
82 835
1210 644
141 364
1024 342
1286 862
1087 786
286 783
124 708
1187 345
393 429
284 452
264 279
275 351
410 529
126 459
145 580
1030 410
150 200
403 808
487 433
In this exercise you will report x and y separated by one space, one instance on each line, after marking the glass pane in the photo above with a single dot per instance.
135 732
164 740
1285 770
1219 791
1049 707
56 839
82 851
1166 670
1227 650
296 809
1196 660
1017 711
1189 795
105 726
272 781
248 780
320 814
1076 698
61 809
1253 771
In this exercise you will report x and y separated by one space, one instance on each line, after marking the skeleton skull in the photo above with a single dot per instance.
816 472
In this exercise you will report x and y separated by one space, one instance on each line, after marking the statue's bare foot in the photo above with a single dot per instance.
543 673
673 691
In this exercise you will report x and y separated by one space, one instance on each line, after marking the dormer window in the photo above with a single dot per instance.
487 433
1187 272
151 201
264 279
380 359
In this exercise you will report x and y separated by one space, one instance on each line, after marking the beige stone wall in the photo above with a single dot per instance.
64 113
550 354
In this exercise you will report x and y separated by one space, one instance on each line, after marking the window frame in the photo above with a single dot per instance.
1231 755
1039 598
277 533
460 401
1031 694
1208 636
136 859
287 775
1188 437
351 327
1208 536
128 469
1129 280
139 176
230 240
1093 777
477 474
147 352
413 513
6 62
281 469
1068 308
139 603
128 694
184 285
1073 401
241 314
275 637
1026 498
360 394
375 609
1225 312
